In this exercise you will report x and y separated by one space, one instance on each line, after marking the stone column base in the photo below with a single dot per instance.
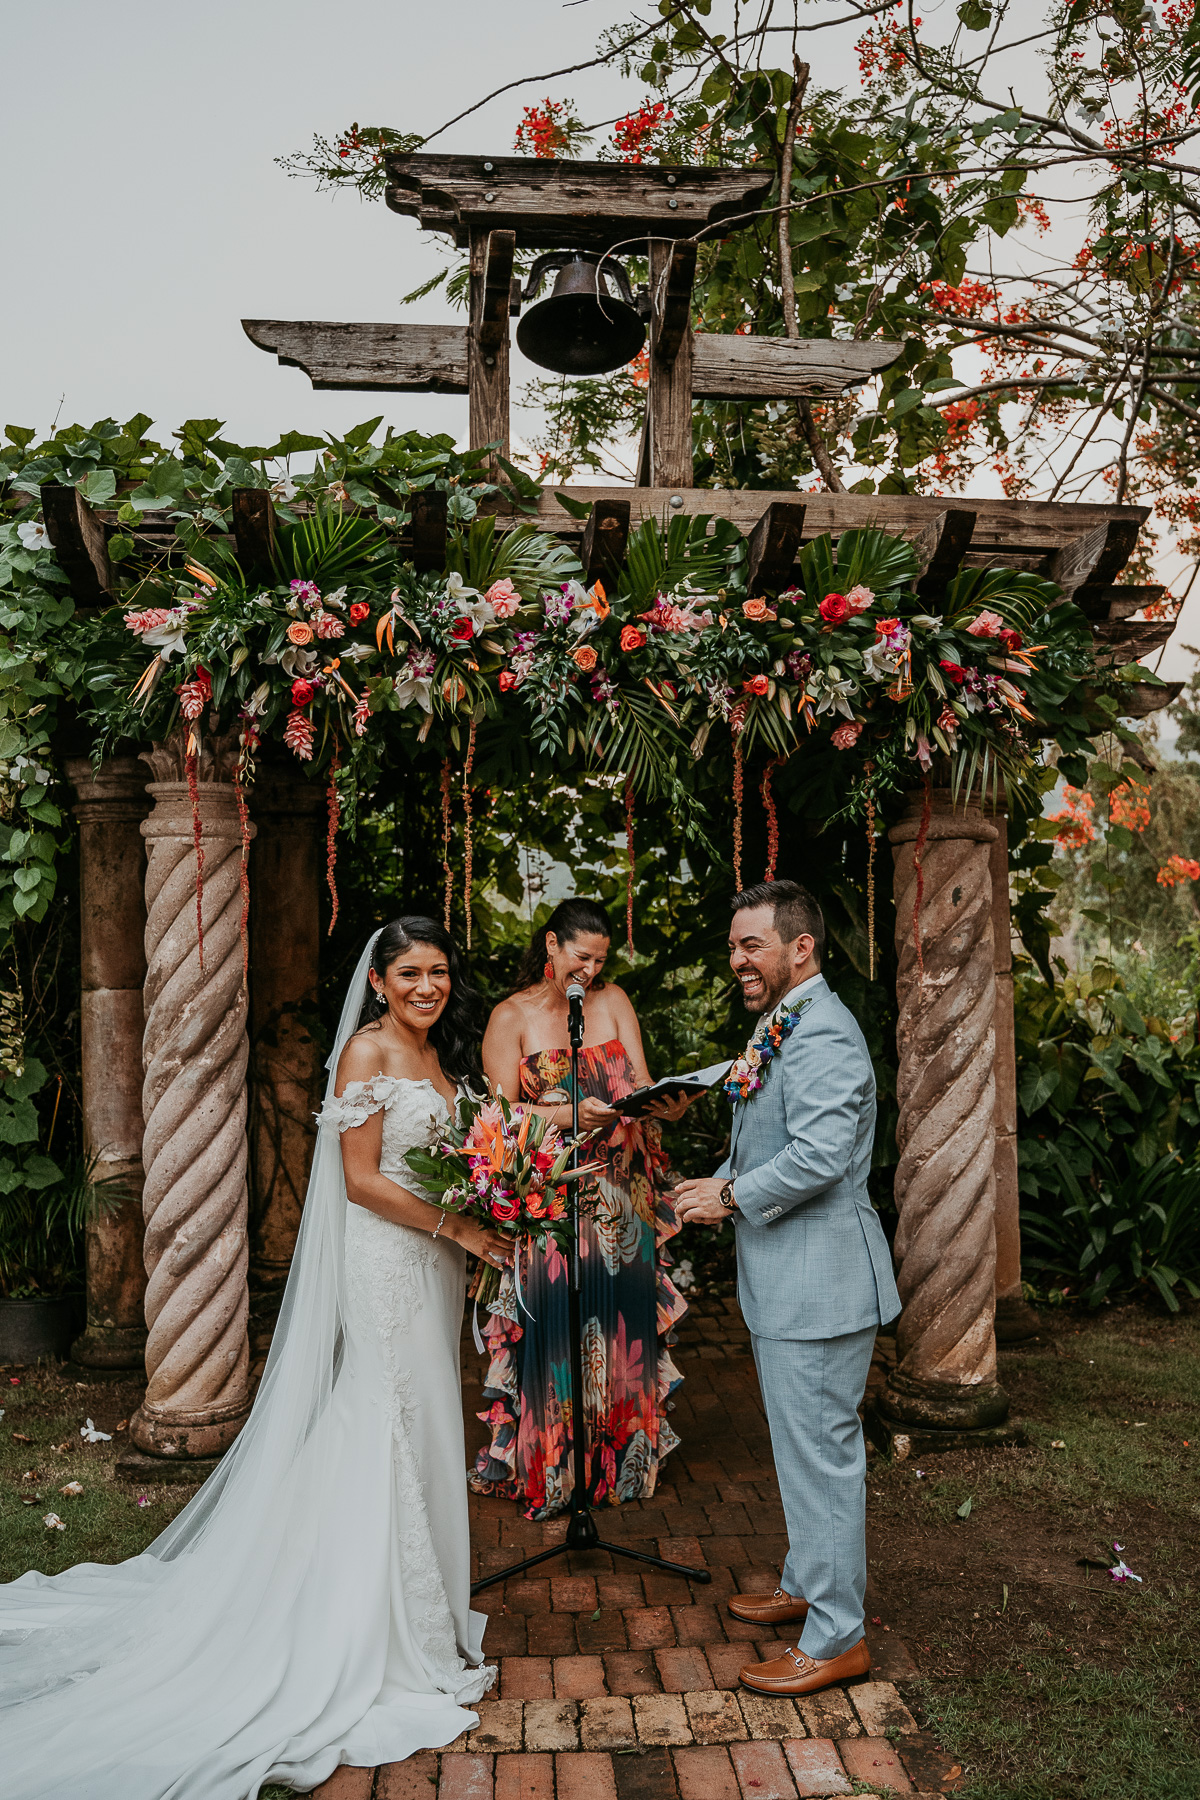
206 1433
899 1440
135 1465
110 1347
944 1405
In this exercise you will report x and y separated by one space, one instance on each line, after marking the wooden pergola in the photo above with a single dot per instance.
958 1246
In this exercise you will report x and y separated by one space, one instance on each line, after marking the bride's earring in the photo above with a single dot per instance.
548 971
381 999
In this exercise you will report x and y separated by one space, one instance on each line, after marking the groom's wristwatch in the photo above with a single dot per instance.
727 1197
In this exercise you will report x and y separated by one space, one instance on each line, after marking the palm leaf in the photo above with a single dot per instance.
328 546
1016 595
530 559
659 559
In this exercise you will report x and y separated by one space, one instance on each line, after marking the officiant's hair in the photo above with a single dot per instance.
796 912
457 1035
569 920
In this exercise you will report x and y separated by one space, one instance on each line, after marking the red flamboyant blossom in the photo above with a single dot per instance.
632 135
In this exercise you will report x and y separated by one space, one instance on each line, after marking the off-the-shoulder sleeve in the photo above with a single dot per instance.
360 1099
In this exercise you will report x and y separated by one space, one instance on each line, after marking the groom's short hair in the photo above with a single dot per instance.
796 912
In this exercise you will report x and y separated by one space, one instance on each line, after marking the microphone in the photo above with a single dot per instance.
575 993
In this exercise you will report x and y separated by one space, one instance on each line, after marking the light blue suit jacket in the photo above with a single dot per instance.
812 1258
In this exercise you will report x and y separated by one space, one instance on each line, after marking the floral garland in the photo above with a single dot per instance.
749 1072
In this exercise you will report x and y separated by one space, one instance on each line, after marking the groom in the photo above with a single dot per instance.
814 1272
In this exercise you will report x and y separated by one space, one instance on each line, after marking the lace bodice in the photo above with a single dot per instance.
413 1124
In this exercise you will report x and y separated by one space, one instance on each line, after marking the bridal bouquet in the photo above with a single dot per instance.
509 1168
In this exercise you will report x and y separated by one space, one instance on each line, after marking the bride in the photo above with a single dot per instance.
310 1605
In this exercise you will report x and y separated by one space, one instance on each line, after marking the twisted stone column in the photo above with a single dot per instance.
194 1101
110 805
945 1374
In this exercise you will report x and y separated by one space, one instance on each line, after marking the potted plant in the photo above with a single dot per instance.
44 1209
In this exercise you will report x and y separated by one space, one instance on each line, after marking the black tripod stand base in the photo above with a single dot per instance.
583 1535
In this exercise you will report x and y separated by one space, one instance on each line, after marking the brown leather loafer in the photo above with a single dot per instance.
767 1609
795 1673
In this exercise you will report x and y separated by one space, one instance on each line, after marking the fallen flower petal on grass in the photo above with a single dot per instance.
90 1435
53 1522
1057 1444
72 1487
143 1500
1121 1572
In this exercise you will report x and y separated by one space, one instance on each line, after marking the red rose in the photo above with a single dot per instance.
302 692
954 670
462 631
505 1209
508 681
359 611
834 609
1012 640
632 638
757 684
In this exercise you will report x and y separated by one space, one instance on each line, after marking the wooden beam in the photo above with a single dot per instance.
487 367
773 545
1031 529
1141 698
1094 559
413 359
78 539
429 528
492 329
551 203
1132 640
732 367
254 532
605 537
940 547
675 311
1120 602
665 459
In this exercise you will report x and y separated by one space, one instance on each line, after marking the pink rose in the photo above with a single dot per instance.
329 625
859 598
503 598
846 736
988 624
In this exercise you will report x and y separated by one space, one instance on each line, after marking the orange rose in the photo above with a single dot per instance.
757 610
757 684
584 658
632 638
299 633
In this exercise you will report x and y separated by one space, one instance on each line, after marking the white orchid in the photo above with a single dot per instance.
831 691
34 535
417 686
284 488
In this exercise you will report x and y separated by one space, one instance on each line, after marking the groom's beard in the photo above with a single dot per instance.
775 984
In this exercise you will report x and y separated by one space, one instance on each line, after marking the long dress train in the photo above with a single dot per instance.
310 1606
630 1307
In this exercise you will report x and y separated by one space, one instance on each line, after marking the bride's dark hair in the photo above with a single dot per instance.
456 1036
569 920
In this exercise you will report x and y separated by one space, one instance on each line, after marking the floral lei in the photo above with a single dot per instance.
749 1072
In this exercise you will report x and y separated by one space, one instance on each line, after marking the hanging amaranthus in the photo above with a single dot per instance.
918 852
333 807
191 764
446 841
870 799
737 719
768 800
243 811
468 845
630 868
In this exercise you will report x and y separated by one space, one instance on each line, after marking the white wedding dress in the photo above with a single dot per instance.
310 1606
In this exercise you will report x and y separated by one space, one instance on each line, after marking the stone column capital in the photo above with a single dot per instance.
946 820
114 791
172 817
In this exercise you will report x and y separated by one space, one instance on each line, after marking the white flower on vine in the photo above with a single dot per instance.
283 489
34 535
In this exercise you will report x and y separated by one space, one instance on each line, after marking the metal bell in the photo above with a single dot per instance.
583 328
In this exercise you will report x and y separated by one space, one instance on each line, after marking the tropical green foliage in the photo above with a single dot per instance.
1109 1140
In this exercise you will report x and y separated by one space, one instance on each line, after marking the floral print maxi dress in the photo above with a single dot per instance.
629 1308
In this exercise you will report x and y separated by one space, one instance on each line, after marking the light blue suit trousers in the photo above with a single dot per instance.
814 1281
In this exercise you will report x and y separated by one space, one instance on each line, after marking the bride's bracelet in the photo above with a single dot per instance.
438 1226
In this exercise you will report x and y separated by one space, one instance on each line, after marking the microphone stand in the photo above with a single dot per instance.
582 1531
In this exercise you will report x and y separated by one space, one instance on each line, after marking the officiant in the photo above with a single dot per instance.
629 1303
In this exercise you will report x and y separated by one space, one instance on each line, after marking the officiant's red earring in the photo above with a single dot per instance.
548 971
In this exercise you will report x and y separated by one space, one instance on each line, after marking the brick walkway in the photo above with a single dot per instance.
617 1684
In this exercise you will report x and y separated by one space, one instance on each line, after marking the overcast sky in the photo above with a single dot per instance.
144 215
